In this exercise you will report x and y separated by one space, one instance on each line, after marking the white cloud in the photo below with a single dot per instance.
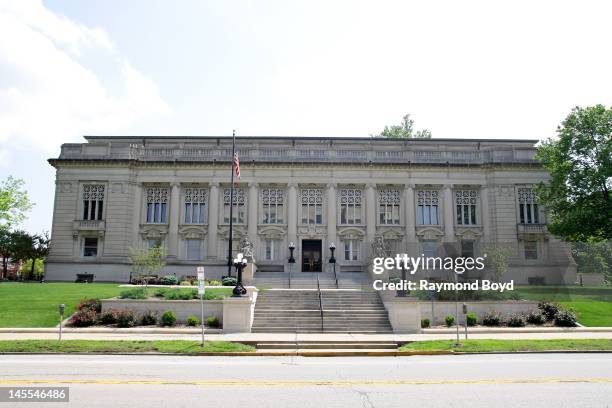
53 97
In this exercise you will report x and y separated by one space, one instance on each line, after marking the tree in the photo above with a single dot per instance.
405 130
14 246
496 261
146 262
580 166
14 201
594 257
38 251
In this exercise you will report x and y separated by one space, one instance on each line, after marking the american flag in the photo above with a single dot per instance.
237 165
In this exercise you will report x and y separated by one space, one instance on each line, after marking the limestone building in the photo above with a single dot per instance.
432 197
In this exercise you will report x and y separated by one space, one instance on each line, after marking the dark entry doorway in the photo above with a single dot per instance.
311 255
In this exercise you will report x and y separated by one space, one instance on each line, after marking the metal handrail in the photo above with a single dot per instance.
320 301
336 276
290 267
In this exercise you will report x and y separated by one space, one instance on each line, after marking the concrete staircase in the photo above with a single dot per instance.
302 280
298 311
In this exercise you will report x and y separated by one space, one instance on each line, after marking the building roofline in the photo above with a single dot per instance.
335 138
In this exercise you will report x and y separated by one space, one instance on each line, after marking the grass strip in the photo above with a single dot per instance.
121 346
511 345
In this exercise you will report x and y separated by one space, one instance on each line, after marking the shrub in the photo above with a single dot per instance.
549 310
93 304
83 318
168 318
535 318
425 323
168 280
109 317
229 281
136 293
148 318
214 282
565 318
516 320
180 294
212 321
450 320
185 283
471 319
193 321
126 318
491 319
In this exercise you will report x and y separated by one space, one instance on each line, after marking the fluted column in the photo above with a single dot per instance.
331 214
449 221
173 220
253 218
213 221
292 218
370 212
485 213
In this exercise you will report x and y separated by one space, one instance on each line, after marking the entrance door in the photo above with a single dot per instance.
311 255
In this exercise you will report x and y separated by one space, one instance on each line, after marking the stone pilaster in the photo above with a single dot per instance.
213 221
331 214
485 213
173 220
370 212
292 218
137 214
409 213
252 217
449 220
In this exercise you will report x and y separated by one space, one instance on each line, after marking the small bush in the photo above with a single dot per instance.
471 319
136 293
492 319
535 318
516 320
168 280
229 281
549 310
450 320
193 321
168 318
565 318
214 282
425 323
93 304
109 317
185 283
126 318
212 321
83 318
148 318
180 294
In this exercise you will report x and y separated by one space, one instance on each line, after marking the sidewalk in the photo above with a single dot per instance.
195 334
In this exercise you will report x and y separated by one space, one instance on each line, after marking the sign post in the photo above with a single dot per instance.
201 290
62 307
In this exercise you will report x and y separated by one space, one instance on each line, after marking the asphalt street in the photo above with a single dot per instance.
501 380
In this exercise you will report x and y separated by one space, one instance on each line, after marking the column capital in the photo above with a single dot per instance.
292 184
214 184
448 186
332 185
175 184
253 184
370 185
409 186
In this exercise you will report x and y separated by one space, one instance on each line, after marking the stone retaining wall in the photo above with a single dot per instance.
443 309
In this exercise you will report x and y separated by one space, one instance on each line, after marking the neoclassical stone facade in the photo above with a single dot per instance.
434 197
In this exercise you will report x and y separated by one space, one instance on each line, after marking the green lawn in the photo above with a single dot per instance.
36 304
592 304
509 345
120 346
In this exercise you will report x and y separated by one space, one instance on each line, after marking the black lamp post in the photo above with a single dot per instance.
291 260
239 263
332 260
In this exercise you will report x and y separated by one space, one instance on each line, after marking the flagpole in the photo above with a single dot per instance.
231 212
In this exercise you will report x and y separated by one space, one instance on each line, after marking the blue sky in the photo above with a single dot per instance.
476 69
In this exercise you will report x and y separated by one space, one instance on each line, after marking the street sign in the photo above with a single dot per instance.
201 288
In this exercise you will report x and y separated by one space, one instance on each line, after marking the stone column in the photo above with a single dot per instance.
409 213
253 216
370 212
173 221
485 213
292 217
136 214
331 214
213 222
449 221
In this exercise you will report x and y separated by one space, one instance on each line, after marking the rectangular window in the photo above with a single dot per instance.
389 207
531 249
427 207
90 247
272 200
467 248
93 201
193 249
466 202
352 249
528 206
350 206
196 200
312 206
157 204
239 204
429 248
272 247
154 243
